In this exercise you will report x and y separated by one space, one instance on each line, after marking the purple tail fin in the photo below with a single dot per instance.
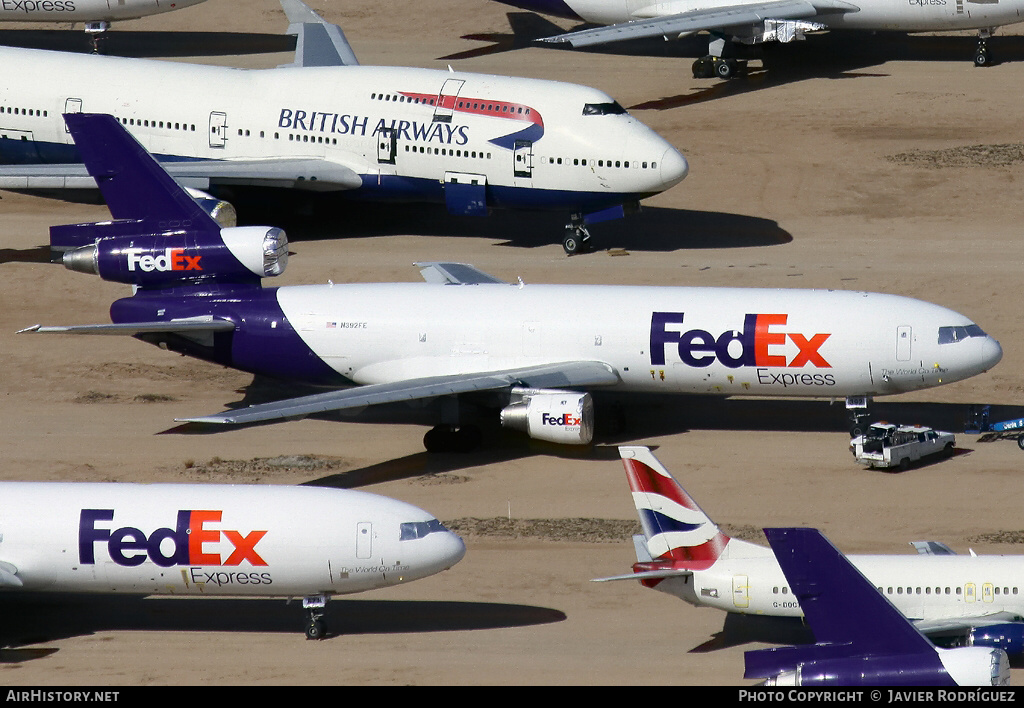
133 183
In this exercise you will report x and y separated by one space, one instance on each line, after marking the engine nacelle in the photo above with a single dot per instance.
1008 637
565 417
219 210
241 253
968 666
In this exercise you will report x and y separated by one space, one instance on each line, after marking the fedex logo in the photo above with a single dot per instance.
185 544
566 419
759 343
172 259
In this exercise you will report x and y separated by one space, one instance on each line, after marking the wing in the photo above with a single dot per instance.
197 325
569 374
711 18
455 274
314 175
958 625
318 43
932 548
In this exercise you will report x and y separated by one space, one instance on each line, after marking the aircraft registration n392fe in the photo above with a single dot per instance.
216 540
469 338
955 599
473 142
757 21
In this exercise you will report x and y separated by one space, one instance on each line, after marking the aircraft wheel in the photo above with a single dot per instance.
1020 442
724 69
702 68
981 58
467 438
315 629
571 245
440 438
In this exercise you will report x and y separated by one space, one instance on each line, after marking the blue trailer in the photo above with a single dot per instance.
977 423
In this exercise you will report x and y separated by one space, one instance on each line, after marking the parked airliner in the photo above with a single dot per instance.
473 142
215 540
861 639
521 349
97 12
757 21
961 600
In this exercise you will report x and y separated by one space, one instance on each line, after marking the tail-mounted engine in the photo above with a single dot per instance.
565 417
177 257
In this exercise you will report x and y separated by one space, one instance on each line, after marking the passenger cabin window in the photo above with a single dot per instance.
603 109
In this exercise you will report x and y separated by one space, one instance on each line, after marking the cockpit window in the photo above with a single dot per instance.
603 109
418 529
948 335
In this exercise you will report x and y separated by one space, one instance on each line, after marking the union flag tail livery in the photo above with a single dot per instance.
675 528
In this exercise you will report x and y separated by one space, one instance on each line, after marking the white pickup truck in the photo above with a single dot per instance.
886 445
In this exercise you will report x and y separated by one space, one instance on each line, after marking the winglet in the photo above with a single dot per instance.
319 43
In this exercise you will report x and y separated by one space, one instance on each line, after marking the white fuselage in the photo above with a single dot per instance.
922 587
400 133
85 10
903 15
730 341
214 539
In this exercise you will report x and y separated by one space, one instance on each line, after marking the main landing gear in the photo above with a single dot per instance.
577 238
449 438
314 605
981 55
710 67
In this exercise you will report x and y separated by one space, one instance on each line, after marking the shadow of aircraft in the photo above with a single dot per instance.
39 254
43 617
150 44
314 217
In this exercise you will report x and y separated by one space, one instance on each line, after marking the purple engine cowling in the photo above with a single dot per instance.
1009 637
177 257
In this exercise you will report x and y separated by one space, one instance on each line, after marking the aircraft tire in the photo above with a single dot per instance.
981 59
315 630
702 68
724 69
571 245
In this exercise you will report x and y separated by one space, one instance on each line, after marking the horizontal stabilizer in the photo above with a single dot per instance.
647 575
192 326
570 374
318 43
932 548
455 274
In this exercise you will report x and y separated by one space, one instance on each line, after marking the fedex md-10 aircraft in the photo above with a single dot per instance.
216 540
469 338
754 22
473 142
954 599
98 14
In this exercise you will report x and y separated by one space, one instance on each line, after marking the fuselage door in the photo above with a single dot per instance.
446 100
970 592
740 591
364 539
387 146
904 337
218 129
986 592
72 105
522 163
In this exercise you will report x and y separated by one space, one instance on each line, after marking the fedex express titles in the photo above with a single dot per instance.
758 346
184 545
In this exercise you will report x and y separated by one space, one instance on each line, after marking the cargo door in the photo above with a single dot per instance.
465 193
740 591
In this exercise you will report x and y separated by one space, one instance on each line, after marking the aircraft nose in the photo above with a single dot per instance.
991 353
452 549
673 168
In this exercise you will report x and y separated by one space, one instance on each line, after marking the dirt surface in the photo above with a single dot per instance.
871 163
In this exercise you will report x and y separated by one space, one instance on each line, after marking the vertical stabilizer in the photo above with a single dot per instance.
675 527
132 182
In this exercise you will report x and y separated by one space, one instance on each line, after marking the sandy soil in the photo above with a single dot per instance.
843 168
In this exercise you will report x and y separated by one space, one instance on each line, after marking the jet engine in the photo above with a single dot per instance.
1009 637
967 666
239 254
565 417
219 210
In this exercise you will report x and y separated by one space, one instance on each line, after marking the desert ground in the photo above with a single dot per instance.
866 162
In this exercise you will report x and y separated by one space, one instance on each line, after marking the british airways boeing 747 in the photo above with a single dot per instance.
470 141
